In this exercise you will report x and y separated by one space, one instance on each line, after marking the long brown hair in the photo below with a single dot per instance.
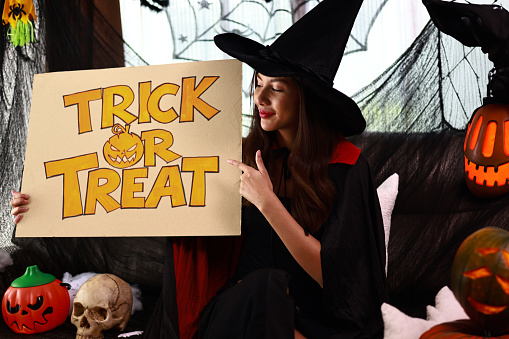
313 193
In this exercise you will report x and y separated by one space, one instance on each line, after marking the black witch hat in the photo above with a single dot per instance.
312 49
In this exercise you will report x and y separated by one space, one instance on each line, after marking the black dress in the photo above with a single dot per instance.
275 295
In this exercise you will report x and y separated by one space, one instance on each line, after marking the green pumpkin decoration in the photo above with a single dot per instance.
35 302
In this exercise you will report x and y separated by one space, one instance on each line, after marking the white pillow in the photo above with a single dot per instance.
447 307
398 325
387 193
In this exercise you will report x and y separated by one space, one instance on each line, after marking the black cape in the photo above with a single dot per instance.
353 268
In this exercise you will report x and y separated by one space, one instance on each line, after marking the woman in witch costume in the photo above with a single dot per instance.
313 261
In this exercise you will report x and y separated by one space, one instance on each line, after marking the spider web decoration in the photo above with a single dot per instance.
435 85
195 23
364 22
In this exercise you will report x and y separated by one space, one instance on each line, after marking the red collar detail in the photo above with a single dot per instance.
345 152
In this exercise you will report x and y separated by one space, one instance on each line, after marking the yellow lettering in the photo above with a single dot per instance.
199 166
150 103
191 99
69 168
168 183
144 93
110 110
101 193
161 148
154 109
129 187
83 99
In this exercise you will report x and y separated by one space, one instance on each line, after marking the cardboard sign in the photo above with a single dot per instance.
135 151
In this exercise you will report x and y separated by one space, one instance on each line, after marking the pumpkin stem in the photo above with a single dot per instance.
118 129
33 277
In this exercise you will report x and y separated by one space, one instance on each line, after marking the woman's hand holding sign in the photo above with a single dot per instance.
18 203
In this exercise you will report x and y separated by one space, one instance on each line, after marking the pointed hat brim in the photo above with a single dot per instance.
346 114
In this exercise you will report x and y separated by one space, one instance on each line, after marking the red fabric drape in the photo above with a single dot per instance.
202 266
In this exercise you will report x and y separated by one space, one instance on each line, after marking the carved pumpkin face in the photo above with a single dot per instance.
480 278
124 149
486 151
35 302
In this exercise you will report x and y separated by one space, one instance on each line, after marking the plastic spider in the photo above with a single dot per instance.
17 11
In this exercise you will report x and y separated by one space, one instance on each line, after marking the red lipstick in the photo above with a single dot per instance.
265 114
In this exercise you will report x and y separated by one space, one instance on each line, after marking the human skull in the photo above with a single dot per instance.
103 302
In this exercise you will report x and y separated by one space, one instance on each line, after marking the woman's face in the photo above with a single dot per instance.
278 103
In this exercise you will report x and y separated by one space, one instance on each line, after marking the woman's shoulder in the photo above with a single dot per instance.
352 171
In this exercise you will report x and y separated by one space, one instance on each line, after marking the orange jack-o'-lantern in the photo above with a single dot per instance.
35 302
480 278
486 151
124 149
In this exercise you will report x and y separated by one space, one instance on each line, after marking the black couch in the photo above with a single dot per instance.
433 214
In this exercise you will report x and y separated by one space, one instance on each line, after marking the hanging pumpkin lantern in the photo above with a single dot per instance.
124 149
486 151
480 279
35 302
19 14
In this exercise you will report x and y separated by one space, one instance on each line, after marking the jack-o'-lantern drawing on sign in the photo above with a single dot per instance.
486 151
480 278
123 149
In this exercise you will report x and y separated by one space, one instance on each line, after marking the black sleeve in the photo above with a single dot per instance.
353 254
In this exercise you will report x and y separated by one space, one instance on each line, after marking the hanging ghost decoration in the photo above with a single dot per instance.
486 146
19 14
